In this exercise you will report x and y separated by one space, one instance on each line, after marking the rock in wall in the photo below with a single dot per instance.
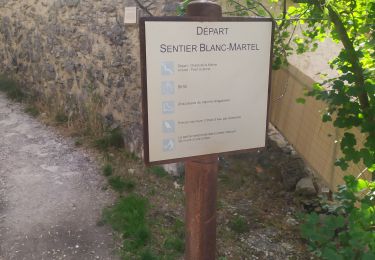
77 52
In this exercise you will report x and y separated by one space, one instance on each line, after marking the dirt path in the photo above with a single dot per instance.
50 194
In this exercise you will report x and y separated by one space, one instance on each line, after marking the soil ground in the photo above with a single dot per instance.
257 210
50 194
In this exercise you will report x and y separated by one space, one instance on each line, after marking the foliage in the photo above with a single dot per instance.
120 185
158 171
176 240
351 95
131 156
348 231
32 110
11 89
61 117
181 8
111 138
148 255
128 216
239 224
175 243
107 169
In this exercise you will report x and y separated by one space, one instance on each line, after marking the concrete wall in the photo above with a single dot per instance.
78 55
301 124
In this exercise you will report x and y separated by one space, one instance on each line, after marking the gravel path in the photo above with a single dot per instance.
50 194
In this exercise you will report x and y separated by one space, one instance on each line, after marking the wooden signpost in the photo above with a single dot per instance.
201 183
205 92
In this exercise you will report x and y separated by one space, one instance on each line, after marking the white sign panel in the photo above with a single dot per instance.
130 16
207 86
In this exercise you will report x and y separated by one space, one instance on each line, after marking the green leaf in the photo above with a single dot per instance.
292 9
318 87
349 180
348 140
368 256
367 156
326 118
330 254
301 100
362 184
342 164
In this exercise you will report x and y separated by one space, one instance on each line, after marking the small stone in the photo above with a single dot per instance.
170 7
71 3
259 169
305 187
287 246
291 221
131 171
318 209
291 173
176 185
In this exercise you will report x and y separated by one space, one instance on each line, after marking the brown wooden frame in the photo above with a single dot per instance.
142 36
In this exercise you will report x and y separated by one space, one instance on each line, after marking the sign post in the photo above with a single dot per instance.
205 90
201 181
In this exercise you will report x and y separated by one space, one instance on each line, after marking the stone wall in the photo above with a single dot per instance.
69 51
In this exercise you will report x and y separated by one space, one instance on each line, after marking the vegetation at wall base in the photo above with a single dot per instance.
111 138
347 231
32 110
158 171
11 88
144 234
61 118
239 224
120 184
131 156
107 169
128 217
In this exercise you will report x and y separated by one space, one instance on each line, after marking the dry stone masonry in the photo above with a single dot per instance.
73 52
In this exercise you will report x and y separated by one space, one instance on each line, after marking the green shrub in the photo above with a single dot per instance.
128 216
174 243
121 185
107 169
239 224
112 138
148 255
158 171
78 142
32 110
179 229
131 156
348 230
11 88
61 117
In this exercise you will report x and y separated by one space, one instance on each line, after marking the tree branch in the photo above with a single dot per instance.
284 15
352 56
144 8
